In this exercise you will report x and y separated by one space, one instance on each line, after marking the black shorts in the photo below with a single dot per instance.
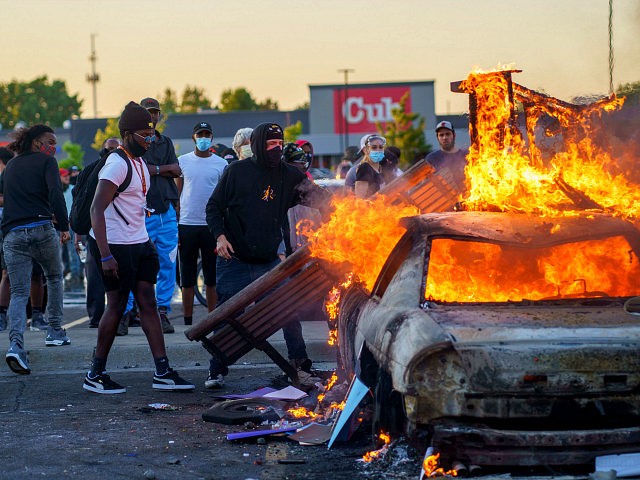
137 262
194 240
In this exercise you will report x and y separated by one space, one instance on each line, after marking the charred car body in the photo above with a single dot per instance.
504 337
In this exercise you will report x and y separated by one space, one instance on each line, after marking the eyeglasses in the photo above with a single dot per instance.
147 139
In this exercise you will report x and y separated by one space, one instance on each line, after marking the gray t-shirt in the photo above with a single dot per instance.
450 166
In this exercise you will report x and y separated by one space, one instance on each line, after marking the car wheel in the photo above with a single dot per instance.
237 412
389 415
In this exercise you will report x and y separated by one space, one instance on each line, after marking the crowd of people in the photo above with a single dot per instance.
234 208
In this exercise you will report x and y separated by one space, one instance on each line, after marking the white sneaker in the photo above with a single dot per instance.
214 382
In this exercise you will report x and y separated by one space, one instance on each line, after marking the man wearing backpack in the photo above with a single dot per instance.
125 254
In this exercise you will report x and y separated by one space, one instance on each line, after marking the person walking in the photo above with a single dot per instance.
125 255
33 200
201 171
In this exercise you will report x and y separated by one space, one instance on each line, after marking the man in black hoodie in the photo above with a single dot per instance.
246 213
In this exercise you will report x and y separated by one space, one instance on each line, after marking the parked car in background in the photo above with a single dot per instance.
504 337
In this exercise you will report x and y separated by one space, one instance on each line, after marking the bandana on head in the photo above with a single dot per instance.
274 132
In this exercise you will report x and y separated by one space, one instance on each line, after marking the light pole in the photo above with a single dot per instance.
345 128
93 78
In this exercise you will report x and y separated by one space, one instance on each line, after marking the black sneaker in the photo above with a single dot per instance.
102 384
164 321
171 381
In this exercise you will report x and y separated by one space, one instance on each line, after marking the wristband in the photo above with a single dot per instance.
157 169
106 258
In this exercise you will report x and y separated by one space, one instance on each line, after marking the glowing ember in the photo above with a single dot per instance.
370 456
338 406
431 469
481 272
330 383
508 172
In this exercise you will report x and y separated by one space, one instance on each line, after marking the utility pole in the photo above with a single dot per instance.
345 143
93 78
611 61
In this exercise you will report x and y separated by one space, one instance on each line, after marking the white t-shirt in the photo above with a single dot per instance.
200 177
130 203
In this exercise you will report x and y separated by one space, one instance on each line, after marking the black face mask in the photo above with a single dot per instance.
274 156
135 148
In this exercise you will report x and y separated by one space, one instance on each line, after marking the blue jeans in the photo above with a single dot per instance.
234 275
21 245
163 232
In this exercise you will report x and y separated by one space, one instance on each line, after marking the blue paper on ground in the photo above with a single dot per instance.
255 394
356 393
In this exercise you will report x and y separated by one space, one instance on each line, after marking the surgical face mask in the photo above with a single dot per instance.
376 156
245 151
203 143
274 156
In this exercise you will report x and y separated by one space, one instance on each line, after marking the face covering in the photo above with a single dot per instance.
274 157
49 150
376 156
203 143
135 148
245 151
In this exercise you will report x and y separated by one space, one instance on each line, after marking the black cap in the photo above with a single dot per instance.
150 103
202 127
133 118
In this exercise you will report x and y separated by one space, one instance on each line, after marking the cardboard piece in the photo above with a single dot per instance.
312 434
258 433
255 394
289 393
357 391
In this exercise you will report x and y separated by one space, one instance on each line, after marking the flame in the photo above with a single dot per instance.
330 383
370 456
338 406
301 412
509 172
480 272
431 469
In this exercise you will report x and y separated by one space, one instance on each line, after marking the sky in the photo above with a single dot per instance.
277 48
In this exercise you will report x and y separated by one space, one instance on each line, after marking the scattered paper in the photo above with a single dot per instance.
162 406
312 434
255 394
625 464
288 393
258 433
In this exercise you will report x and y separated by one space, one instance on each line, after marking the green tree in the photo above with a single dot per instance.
111 130
303 106
37 101
193 100
236 99
267 104
75 155
406 132
631 91
292 132
168 101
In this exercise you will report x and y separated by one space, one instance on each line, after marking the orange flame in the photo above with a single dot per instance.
508 172
301 412
370 456
431 469
330 383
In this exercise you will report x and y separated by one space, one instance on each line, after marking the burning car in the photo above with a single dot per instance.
504 336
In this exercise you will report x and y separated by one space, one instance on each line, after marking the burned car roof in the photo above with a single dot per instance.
519 229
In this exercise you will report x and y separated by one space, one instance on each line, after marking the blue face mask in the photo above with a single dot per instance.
376 156
203 143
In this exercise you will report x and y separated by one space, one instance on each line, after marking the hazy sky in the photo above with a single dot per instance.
277 48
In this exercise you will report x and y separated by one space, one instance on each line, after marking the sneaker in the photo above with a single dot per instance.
123 326
214 381
164 321
171 381
56 337
3 321
301 364
17 359
102 384
38 323
307 381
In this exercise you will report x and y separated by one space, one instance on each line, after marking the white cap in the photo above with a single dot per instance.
444 124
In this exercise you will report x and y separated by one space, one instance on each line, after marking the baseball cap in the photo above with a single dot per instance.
444 124
202 127
64 172
150 103
74 168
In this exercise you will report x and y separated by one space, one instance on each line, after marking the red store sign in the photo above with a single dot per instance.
363 107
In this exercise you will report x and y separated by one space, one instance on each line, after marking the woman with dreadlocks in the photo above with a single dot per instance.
33 198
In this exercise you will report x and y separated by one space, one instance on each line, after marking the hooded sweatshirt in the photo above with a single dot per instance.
249 205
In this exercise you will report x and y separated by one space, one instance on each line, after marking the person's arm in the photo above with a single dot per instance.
56 198
171 167
103 197
215 216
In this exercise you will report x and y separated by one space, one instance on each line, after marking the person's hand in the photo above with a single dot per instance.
110 267
172 170
65 237
224 248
